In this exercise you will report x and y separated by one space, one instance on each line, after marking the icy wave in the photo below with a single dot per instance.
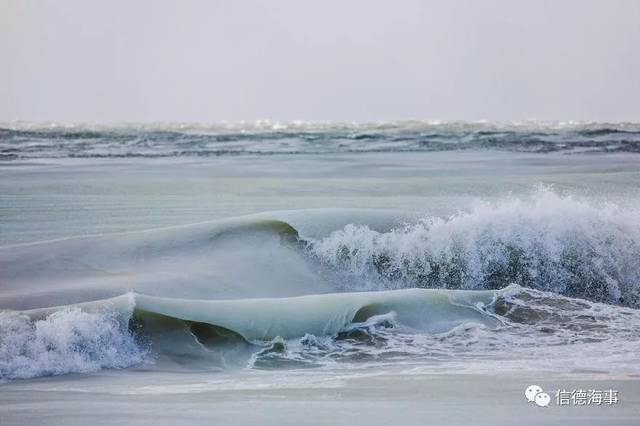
399 326
532 326
286 289
127 330
547 241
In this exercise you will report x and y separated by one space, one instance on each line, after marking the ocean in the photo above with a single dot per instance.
349 267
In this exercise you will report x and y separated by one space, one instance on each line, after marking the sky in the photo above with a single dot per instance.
339 60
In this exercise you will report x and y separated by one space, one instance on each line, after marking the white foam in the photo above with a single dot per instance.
67 341
562 244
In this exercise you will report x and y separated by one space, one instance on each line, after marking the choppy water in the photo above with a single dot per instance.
19 141
499 252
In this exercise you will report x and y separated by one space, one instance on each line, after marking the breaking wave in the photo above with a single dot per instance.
309 289
341 329
549 242
20 141
531 326
66 341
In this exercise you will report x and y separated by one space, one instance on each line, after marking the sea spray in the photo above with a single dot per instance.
547 241
67 341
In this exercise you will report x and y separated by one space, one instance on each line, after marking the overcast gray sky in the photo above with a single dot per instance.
122 60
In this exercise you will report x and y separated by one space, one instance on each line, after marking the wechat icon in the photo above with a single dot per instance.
534 393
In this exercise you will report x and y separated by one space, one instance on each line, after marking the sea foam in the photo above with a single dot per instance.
547 241
67 341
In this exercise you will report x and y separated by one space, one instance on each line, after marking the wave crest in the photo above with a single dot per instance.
547 241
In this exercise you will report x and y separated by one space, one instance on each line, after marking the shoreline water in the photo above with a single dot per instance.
379 399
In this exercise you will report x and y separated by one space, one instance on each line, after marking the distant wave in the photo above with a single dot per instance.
23 141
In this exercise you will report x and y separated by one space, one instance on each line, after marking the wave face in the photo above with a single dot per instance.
442 329
24 141
514 281
548 242
535 331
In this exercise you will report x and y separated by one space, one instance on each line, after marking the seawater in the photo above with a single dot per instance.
319 249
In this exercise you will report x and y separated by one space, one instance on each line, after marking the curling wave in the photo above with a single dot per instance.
326 287
549 242
400 326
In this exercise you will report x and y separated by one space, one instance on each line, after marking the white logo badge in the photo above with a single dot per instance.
534 393
543 399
